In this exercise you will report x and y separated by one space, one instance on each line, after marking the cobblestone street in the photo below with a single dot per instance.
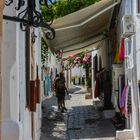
81 121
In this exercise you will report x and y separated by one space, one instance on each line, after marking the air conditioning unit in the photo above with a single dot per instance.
128 26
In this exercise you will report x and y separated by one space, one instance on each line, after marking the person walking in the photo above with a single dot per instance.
62 88
56 84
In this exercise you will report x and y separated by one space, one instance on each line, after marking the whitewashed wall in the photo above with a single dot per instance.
10 78
136 54
128 7
78 71
16 117
102 51
38 114
54 64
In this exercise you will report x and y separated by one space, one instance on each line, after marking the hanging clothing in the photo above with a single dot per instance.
121 55
96 92
124 100
100 63
95 65
128 104
47 85
107 90
51 80
116 59
121 83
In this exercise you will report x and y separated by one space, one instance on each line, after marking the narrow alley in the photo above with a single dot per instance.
90 48
81 121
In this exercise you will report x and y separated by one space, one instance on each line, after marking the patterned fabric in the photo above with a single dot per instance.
126 102
47 85
129 103
121 55
123 99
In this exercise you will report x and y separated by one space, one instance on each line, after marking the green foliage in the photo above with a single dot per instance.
65 7
48 13
60 9
44 51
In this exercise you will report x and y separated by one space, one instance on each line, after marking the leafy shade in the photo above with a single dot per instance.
65 7
80 59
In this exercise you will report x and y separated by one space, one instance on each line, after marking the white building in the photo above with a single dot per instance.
90 30
20 59
131 9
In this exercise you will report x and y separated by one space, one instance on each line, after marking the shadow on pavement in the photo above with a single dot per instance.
67 97
81 121
53 121
72 90
84 122
81 92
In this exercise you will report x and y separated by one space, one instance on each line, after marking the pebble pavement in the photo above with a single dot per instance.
80 122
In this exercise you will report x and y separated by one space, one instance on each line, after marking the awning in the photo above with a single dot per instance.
88 45
82 26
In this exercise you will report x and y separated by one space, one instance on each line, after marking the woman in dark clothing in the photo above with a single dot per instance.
57 79
62 90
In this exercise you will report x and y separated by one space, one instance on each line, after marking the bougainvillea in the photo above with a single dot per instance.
80 59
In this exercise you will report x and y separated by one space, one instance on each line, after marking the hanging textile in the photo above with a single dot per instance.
51 79
96 92
121 83
124 100
47 85
128 104
116 59
121 53
107 90
95 65
100 63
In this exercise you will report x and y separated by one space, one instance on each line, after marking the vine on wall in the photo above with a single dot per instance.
44 52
